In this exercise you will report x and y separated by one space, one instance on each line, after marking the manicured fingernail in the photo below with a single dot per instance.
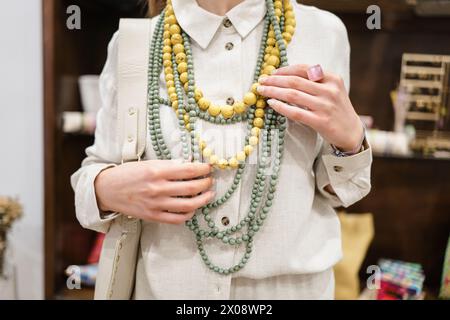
261 89
271 102
315 73
263 76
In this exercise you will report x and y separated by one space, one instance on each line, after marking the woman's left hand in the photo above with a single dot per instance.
324 106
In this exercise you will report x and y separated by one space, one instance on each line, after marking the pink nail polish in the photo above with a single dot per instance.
315 73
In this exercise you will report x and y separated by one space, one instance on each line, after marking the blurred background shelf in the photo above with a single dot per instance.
69 54
75 294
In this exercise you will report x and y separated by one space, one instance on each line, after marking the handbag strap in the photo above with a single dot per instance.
134 41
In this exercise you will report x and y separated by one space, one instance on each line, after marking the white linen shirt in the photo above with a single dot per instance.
301 233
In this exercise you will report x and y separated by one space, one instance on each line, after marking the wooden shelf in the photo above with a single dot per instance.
413 157
360 6
75 294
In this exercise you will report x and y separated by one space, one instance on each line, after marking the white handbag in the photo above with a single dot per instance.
118 259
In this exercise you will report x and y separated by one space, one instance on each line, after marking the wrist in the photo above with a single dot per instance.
100 183
352 147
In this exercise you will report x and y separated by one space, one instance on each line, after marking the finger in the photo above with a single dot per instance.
300 70
293 82
171 218
292 96
187 188
186 204
183 171
294 113
315 73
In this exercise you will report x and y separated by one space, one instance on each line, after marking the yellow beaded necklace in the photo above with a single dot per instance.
173 45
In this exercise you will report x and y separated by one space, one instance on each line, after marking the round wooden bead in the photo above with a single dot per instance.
239 107
180 57
259 113
254 87
222 163
240 156
233 162
207 152
255 131
227 111
248 149
178 48
182 67
250 98
213 159
214 110
260 103
273 61
184 77
198 94
287 36
268 69
253 140
170 19
203 104
174 29
258 122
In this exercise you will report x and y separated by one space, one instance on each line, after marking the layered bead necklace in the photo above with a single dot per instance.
171 51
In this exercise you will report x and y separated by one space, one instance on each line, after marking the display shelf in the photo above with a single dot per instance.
359 6
414 157
75 294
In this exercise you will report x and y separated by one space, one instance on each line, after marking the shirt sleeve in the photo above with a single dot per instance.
348 176
104 153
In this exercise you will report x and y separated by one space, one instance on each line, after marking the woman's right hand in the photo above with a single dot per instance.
151 190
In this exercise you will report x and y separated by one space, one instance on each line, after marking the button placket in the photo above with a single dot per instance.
225 221
229 46
227 23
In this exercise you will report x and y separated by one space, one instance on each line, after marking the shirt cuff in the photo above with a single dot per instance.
348 176
88 213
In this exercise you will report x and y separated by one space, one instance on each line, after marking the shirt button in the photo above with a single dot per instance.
338 168
227 23
229 46
230 101
225 221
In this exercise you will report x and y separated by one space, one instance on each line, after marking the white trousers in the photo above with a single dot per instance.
315 286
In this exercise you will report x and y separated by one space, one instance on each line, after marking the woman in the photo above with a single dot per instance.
249 214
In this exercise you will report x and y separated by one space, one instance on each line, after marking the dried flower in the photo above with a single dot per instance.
10 210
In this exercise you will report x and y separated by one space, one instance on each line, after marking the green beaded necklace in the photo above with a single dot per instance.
264 186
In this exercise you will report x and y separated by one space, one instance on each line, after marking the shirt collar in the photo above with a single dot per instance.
202 25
